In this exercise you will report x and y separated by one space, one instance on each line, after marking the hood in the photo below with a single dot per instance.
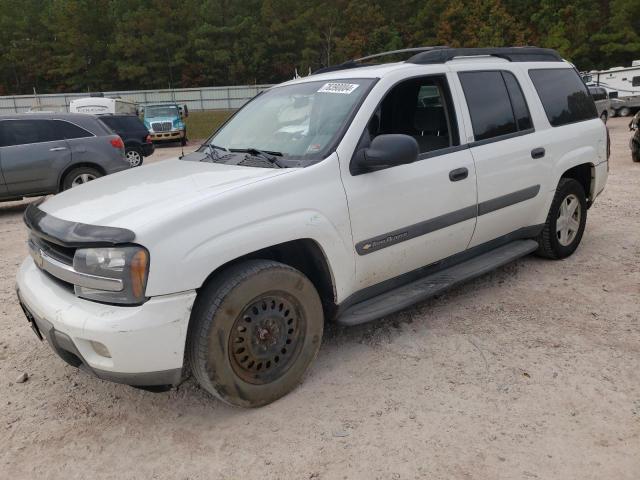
151 193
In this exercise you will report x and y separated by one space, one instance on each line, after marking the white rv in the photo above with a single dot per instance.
622 84
624 80
103 105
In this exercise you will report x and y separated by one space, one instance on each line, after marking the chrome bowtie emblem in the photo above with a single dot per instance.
37 258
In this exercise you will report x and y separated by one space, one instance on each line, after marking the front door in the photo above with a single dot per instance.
32 155
410 216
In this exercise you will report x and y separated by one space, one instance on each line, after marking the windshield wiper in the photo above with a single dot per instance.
211 148
271 157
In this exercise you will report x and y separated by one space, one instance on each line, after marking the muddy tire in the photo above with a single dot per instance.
254 331
565 222
634 144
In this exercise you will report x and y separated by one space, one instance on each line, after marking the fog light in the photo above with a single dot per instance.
100 349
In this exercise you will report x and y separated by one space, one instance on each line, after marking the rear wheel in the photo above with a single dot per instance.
134 156
255 329
624 112
565 222
79 176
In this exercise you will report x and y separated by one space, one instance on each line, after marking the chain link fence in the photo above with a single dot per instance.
208 98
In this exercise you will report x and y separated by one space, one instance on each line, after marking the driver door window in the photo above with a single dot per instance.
420 108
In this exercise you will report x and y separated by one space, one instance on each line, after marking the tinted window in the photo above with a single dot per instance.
564 97
489 105
635 82
598 93
69 130
520 108
23 132
130 123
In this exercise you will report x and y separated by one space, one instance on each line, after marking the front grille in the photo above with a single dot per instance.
161 126
62 254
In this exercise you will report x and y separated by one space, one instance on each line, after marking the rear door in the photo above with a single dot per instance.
32 155
512 166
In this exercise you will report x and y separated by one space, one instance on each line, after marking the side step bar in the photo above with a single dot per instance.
419 290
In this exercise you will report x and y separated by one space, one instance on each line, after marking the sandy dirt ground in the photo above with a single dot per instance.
531 372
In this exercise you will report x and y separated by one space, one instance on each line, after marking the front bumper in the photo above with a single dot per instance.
145 343
167 136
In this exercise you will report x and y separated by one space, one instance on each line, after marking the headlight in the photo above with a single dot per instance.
130 265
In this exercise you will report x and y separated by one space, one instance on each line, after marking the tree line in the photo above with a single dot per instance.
97 45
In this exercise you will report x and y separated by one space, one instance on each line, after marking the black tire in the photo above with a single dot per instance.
71 179
134 156
634 144
550 245
258 311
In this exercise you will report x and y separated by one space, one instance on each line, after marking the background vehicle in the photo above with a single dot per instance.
634 142
99 105
47 153
623 85
136 137
345 196
165 121
601 99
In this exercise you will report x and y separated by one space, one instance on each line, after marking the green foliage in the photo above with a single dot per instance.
94 45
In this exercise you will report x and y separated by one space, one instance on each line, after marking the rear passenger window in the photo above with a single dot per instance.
520 108
25 132
564 96
68 130
489 104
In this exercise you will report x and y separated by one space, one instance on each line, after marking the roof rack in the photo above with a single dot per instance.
513 54
358 62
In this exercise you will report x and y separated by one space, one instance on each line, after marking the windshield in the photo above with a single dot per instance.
161 111
300 120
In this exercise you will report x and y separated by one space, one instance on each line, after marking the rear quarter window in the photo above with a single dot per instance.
68 130
564 96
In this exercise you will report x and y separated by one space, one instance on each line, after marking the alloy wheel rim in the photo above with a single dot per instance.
82 178
134 158
266 339
568 221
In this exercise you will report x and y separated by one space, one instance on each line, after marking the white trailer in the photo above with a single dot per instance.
623 85
103 105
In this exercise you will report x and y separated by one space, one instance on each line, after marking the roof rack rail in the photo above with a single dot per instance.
513 54
358 62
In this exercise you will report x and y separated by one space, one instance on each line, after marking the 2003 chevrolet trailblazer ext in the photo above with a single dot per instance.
342 196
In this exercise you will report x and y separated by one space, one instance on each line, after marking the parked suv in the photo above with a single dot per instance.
46 153
601 99
342 196
136 137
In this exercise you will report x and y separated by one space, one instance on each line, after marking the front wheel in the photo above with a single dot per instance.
254 331
634 144
624 112
565 222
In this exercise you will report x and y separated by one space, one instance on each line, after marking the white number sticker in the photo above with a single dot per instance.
343 88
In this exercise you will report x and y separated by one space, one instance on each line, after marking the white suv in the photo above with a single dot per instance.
343 196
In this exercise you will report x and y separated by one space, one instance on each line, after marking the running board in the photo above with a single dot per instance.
431 285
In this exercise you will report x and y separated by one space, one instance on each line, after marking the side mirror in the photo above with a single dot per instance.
386 151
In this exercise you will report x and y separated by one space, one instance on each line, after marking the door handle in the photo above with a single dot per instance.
458 174
537 152
57 149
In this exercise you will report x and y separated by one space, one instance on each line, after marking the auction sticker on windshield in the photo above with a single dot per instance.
343 88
